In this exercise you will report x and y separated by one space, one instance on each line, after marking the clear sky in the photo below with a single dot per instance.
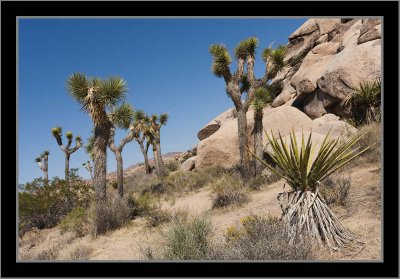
165 62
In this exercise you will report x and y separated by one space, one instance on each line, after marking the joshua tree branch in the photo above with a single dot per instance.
239 72
128 138
78 144
59 142
68 144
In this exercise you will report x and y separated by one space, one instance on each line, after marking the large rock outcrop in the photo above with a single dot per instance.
216 123
328 59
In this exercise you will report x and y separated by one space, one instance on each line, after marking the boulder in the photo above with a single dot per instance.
372 34
324 38
328 48
222 147
316 102
329 117
189 164
338 128
305 79
216 123
307 28
347 69
326 25
368 24
285 95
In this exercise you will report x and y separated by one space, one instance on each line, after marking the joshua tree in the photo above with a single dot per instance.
44 166
156 122
95 96
305 212
57 133
274 60
236 86
141 124
121 117
89 168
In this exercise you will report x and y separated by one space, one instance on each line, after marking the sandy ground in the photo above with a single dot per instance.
362 216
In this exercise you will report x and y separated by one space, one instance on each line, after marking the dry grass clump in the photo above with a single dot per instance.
81 252
260 238
113 213
372 137
146 205
229 190
335 189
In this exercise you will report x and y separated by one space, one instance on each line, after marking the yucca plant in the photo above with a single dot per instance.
43 164
67 149
305 212
121 117
365 102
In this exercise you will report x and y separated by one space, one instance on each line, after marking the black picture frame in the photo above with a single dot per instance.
10 11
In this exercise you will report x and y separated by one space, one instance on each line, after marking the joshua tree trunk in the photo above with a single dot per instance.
242 134
258 148
120 173
146 158
67 155
159 159
100 161
155 160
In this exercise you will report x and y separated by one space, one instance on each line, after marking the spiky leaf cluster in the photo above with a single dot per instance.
261 97
275 88
69 135
276 57
163 119
299 167
221 60
246 48
56 130
90 145
46 153
106 92
38 160
122 116
244 84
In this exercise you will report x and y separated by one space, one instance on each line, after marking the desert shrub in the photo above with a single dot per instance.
48 254
260 239
114 184
140 182
228 190
113 213
171 165
365 102
43 206
372 137
76 221
188 239
147 206
80 252
336 189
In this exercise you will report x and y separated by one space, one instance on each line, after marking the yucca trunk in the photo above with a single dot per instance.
242 134
45 171
66 170
159 159
120 174
305 213
258 147
146 158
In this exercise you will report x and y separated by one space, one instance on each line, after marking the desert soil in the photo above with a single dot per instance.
362 216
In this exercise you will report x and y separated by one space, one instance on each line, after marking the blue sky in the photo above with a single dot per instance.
165 62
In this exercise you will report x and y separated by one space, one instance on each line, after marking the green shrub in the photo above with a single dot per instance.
76 221
228 190
43 206
114 184
171 166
